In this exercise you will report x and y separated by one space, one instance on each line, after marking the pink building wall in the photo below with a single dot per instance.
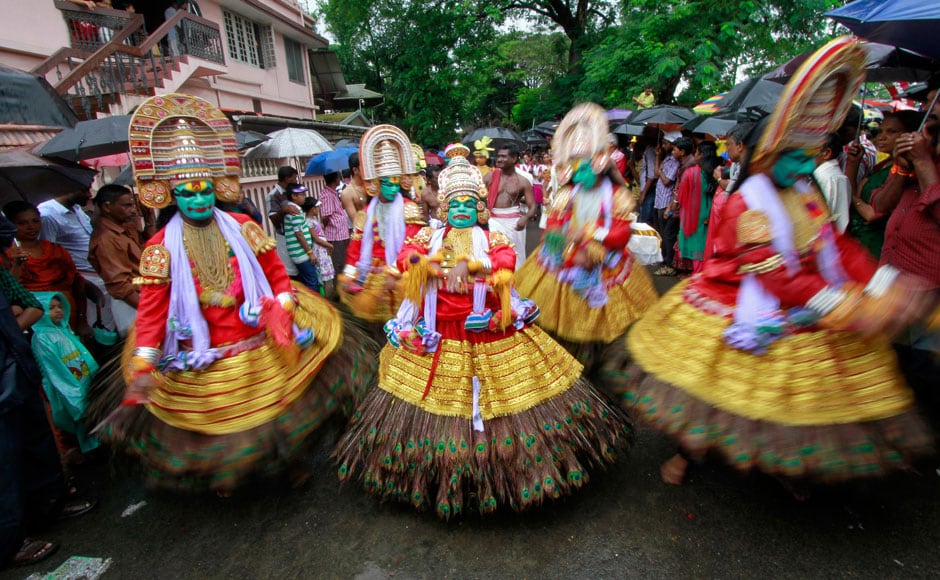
30 31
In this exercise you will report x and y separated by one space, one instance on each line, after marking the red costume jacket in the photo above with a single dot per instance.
225 326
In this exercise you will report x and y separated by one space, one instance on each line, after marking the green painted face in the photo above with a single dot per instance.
584 175
195 199
390 187
462 212
793 165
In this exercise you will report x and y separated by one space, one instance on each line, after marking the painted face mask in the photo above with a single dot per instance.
195 199
793 165
390 187
584 175
462 212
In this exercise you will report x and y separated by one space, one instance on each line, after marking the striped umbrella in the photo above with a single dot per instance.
710 105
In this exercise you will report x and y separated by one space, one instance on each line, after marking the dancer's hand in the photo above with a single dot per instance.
457 278
138 391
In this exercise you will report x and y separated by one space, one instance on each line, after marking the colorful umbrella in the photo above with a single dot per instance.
710 105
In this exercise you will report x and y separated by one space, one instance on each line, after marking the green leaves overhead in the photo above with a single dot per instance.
446 66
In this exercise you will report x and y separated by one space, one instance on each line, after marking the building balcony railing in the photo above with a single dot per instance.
112 55
91 29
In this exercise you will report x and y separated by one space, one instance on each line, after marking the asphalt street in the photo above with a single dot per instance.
624 524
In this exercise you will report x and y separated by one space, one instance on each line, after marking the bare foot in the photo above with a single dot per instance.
673 471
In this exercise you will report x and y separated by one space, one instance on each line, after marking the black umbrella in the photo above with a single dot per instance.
547 127
28 99
246 139
883 64
717 125
662 115
754 93
910 24
90 139
501 137
25 175
534 139
628 129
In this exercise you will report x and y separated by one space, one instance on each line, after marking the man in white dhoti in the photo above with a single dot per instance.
510 200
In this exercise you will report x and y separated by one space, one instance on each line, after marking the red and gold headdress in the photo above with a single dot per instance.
456 150
582 134
813 103
177 138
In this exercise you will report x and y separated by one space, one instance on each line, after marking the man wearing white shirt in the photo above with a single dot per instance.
65 222
833 183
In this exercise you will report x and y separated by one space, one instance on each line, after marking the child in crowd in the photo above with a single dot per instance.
67 368
300 240
323 248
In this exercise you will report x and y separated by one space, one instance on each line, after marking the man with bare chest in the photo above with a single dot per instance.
429 202
510 200
354 194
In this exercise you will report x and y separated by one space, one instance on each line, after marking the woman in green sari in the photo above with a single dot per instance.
865 224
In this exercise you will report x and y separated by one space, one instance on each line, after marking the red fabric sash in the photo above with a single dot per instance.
495 175
690 199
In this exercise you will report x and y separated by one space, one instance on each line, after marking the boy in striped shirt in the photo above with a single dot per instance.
300 240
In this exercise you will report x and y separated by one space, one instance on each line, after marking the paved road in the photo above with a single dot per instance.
625 523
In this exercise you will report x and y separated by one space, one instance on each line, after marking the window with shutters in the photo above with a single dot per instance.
295 61
249 42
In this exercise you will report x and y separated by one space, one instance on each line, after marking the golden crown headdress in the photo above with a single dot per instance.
582 134
177 138
460 178
385 151
813 103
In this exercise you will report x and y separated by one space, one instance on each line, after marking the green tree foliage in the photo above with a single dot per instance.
701 42
445 66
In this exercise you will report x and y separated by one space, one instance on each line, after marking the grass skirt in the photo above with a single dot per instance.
425 451
820 406
185 460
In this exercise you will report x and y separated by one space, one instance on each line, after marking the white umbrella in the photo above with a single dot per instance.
290 142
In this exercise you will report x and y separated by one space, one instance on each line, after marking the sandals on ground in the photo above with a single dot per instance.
664 271
73 509
33 551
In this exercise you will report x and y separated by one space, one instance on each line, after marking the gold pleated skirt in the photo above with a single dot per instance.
821 377
566 314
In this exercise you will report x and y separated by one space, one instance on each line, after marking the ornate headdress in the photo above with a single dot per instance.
385 151
460 178
177 138
482 147
582 134
456 150
813 103
420 161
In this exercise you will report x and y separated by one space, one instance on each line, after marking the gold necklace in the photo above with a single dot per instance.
209 253
460 241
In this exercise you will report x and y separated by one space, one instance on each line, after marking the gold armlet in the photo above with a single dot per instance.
142 281
762 267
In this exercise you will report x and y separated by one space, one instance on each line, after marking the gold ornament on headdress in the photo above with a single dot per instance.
813 103
385 151
482 147
177 138
420 161
581 135
456 150
459 179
